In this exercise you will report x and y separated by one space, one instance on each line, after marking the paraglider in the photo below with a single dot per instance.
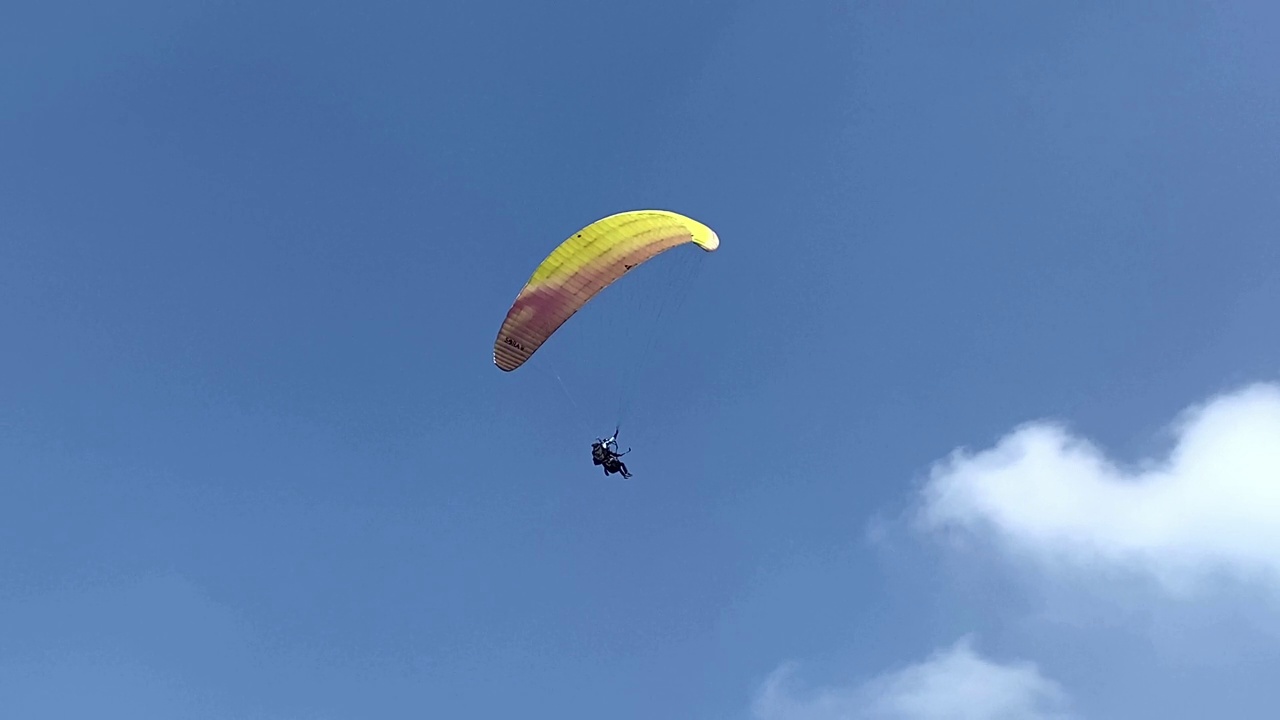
576 271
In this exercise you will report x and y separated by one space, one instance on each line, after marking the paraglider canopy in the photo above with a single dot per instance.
582 266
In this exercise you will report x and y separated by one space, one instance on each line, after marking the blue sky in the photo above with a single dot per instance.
256 461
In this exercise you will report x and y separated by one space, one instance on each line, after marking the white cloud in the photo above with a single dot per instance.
954 684
1213 504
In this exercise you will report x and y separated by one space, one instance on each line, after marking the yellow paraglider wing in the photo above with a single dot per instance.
584 265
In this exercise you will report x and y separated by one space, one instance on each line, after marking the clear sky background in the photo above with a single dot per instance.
256 462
